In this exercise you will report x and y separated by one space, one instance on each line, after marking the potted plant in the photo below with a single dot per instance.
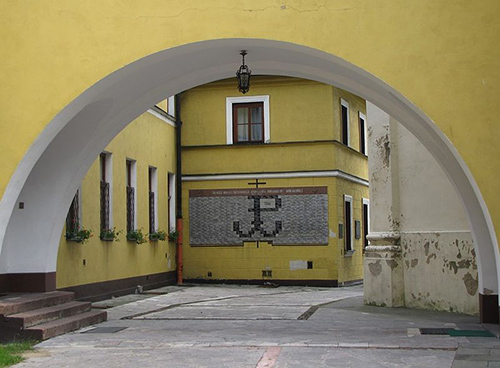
79 235
173 236
136 236
110 234
158 235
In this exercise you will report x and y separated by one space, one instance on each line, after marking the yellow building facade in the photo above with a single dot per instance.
142 158
430 65
299 148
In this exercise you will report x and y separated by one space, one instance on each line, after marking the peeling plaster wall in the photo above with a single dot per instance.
439 262
421 253
440 271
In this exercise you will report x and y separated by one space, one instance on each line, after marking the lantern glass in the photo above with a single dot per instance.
243 75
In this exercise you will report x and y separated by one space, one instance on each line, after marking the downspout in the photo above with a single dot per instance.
178 185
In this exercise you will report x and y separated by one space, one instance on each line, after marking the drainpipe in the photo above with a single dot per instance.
178 185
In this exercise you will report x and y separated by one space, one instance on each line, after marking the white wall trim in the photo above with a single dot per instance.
161 117
171 106
247 99
367 202
346 105
304 174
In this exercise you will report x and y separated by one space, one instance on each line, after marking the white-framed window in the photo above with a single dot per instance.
153 199
171 202
106 195
344 122
363 143
131 180
251 129
366 221
348 224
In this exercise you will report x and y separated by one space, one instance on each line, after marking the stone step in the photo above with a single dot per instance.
47 330
35 317
14 304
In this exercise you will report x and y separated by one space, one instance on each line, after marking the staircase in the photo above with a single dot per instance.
41 316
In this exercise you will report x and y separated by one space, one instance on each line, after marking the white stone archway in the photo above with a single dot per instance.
52 169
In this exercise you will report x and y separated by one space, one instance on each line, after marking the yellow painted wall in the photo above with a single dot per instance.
351 266
443 56
149 141
305 129
163 105
247 262
356 105
299 104
304 122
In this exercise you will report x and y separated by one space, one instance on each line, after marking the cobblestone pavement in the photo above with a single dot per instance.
250 326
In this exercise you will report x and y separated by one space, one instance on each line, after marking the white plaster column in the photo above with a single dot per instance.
383 265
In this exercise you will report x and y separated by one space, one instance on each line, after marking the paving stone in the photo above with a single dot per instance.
341 333
468 364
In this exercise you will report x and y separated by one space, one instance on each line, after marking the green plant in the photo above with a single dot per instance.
158 235
79 235
110 234
10 354
173 236
136 236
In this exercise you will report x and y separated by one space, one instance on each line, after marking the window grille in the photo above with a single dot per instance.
152 227
130 209
104 205
72 219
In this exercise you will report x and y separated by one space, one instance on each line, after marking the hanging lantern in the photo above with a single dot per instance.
243 75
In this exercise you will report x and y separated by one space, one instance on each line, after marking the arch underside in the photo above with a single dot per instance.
53 168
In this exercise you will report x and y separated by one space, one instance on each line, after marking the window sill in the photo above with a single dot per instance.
349 253
76 239
107 239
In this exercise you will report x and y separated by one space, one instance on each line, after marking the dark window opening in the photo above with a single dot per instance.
104 192
348 226
345 125
365 225
72 219
170 189
362 137
130 199
152 225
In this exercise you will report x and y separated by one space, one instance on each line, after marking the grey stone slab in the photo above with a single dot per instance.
468 364
230 312
463 350
177 357
354 358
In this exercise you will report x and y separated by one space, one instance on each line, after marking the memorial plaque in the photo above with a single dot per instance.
282 216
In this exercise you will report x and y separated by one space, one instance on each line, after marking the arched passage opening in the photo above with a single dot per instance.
48 176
